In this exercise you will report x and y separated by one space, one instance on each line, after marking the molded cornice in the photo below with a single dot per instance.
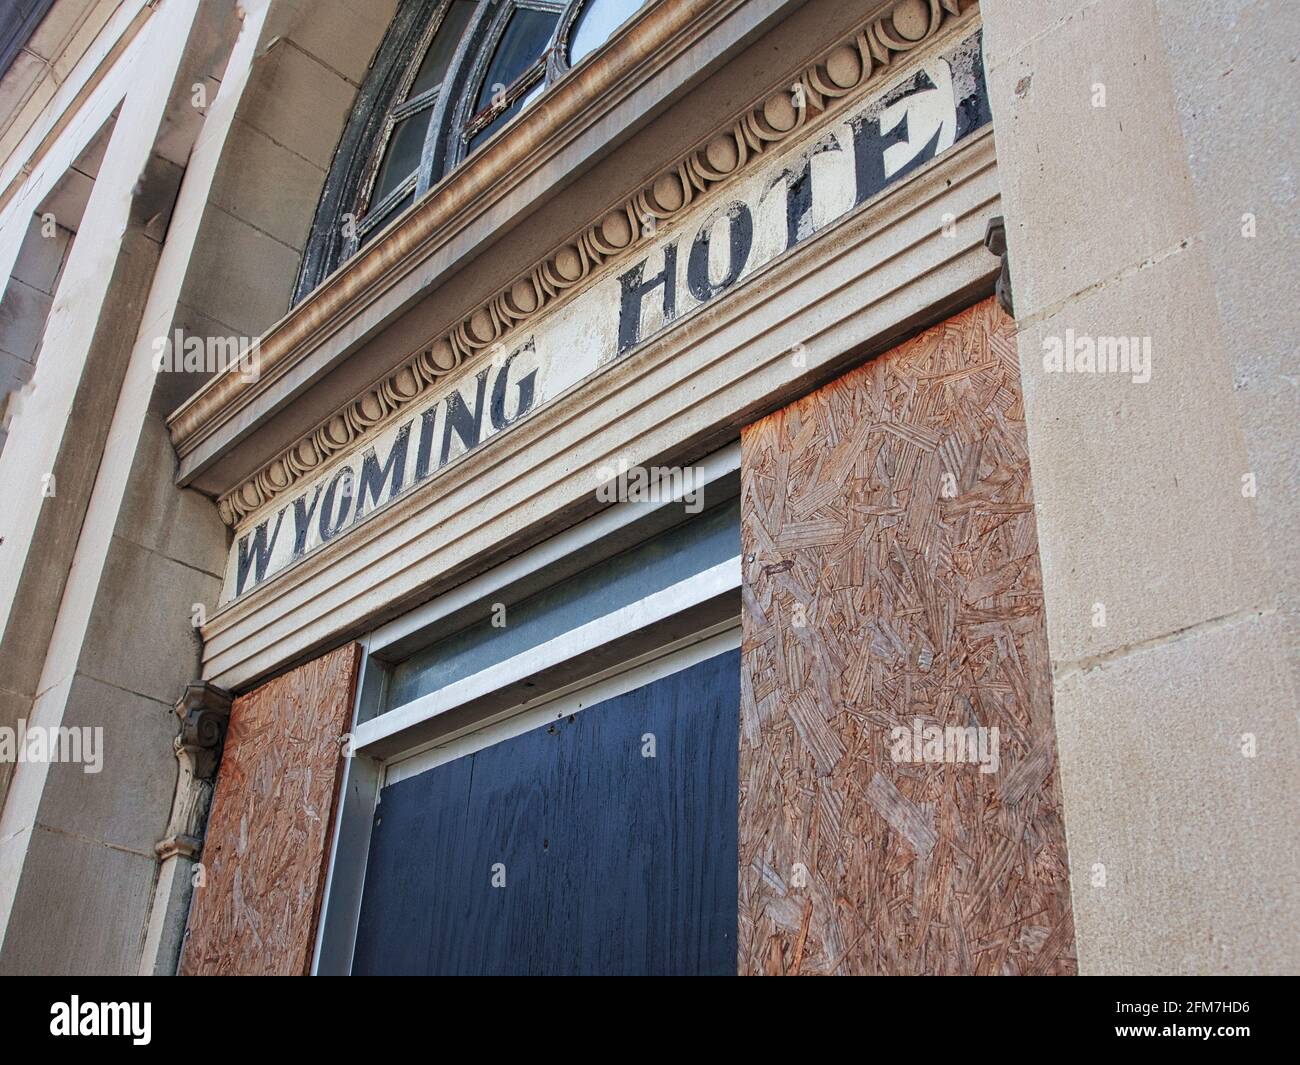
309 340
850 65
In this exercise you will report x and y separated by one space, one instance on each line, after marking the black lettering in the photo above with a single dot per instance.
329 526
373 477
799 192
968 69
740 239
425 451
259 557
302 515
460 421
634 290
869 144
527 387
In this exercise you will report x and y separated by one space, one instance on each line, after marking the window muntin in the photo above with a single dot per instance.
402 157
397 165
516 71
443 47
450 76
692 547
522 44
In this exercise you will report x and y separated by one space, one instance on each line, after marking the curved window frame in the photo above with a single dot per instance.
465 124
345 218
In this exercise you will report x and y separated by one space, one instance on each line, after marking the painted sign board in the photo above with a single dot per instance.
800 189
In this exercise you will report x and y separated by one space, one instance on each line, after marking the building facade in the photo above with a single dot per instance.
592 486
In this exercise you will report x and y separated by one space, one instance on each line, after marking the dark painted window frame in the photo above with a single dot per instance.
344 218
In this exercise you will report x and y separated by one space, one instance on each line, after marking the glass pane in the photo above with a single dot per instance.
443 47
374 225
525 39
599 19
705 541
402 156
487 131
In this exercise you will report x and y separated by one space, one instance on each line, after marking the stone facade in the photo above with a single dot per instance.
160 167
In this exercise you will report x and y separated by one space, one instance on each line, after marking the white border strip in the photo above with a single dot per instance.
352 853
711 469
573 703
675 599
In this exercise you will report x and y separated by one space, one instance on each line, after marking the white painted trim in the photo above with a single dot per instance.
676 599
860 287
589 695
71 87
569 691
562 545
89 119
355 858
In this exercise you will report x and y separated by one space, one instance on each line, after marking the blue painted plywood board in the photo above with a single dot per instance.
612 862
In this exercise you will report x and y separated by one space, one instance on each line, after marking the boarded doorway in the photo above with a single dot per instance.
602 843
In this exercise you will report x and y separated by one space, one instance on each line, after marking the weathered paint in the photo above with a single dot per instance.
803 189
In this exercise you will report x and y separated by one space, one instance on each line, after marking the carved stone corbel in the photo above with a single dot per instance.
995 239
204 711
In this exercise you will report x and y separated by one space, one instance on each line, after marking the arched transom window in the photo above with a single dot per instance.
448 77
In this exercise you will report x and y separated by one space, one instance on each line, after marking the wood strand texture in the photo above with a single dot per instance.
891 580
268 835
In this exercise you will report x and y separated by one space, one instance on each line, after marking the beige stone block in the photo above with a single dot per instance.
14 374
82 38
13 847
1064 163
1009 25
268 186
297 101
1197 840
1233 75
1139 486
175 522
18 80
140 636
239 275
126 803
58 27
80 909
172 388
23 312
41 256
68 199
342 34
25 115
13 706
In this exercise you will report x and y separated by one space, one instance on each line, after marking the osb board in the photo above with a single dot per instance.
268 834
920 600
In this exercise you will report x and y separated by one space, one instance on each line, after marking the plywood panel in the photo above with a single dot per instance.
268 835
566 849
891 581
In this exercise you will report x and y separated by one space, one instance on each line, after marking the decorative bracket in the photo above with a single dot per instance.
204 712
995 239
